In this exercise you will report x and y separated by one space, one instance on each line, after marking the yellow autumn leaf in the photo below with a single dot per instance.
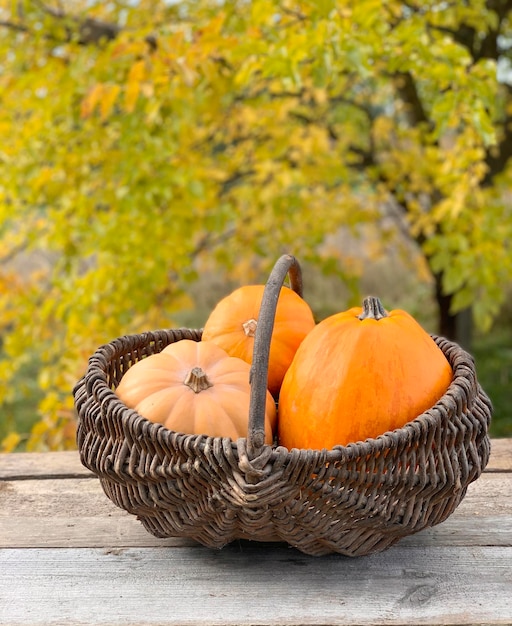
133 86
91 100
108 100
43 178
10 442
131 96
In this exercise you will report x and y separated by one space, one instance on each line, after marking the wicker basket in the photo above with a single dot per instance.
354 499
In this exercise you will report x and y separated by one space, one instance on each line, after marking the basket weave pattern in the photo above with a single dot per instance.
353 500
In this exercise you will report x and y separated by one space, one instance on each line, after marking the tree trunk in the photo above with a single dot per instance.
456 327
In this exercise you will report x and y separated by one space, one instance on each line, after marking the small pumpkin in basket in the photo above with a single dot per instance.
194 387
358 374
232 325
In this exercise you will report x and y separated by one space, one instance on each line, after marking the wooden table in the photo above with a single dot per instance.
69 556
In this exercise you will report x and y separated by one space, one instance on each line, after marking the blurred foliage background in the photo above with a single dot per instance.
157 154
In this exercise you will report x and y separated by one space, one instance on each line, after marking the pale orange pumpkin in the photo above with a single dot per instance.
232 325
194 388
359 374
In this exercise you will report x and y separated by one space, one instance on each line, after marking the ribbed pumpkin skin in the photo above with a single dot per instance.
293 321
352 379
155 387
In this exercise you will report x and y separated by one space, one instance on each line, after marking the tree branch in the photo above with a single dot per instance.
87 30
13 26
487 47
49 10
93 31
497 157
14 252
408 93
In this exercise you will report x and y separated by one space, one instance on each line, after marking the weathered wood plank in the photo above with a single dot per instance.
23 465
256 585
70 556
501 456
71 512
54 464
123 532
76 513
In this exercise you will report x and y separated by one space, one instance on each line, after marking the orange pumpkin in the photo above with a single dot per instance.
194 388
232 325
359 374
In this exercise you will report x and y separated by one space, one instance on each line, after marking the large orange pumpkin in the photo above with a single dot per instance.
359 374
232 325
194 388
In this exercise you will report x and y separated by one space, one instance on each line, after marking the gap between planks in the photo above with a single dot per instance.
77 513
44 465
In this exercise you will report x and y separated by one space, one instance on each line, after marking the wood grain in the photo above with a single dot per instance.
74 512
261 585
25 465
68 555
501 456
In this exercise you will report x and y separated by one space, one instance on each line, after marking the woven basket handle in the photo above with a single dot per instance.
287 264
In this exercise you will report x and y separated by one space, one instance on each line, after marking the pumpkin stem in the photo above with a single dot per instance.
372 309
250 327
197 380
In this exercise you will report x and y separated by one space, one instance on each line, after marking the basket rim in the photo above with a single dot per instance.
460 395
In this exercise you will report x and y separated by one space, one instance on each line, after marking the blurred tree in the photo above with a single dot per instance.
144 140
